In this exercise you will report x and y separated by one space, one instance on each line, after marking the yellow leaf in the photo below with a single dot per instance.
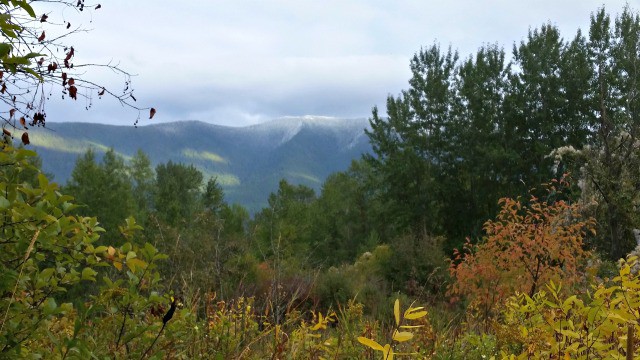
396 311
387 352
415 315
117 265
402 336
370 343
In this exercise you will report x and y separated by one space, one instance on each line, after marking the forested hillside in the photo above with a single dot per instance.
492 219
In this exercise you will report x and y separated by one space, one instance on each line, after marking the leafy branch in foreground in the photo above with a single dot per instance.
401 331
37 60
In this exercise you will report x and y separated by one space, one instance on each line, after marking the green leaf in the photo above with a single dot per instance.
134 264
25 5
50 306
89 274
4 203
5 49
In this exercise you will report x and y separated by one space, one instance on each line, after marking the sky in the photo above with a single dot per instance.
241 62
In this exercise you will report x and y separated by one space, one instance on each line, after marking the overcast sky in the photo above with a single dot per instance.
239 62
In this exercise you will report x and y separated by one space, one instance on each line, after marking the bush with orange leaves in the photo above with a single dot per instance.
525 247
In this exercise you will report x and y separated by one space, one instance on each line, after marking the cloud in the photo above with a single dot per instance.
240 62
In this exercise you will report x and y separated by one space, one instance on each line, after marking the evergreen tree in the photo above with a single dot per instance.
142 178
104 189
177 193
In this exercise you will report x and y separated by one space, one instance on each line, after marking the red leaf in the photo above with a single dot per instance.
43 18
42 36
41 61
70 53
71 82
11 112
64 78
23 122
152 112
6 132
4 88
73 91
25 138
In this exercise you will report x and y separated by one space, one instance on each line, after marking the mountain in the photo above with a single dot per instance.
248 161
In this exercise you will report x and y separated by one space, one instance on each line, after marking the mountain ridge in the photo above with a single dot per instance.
248 161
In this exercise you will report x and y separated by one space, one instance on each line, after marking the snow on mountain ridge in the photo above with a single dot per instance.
280 131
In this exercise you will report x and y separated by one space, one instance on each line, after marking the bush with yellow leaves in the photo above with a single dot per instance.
601 324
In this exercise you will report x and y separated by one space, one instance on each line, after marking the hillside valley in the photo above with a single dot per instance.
247 161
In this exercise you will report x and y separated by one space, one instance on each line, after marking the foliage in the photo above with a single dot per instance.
608 163
603 323
525 247
46 252
402 332
469 132
104 189
177 191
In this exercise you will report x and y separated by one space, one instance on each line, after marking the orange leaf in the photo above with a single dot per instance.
25 138
41 37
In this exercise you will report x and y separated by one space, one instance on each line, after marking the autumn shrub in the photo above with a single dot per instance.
602 323
526 246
